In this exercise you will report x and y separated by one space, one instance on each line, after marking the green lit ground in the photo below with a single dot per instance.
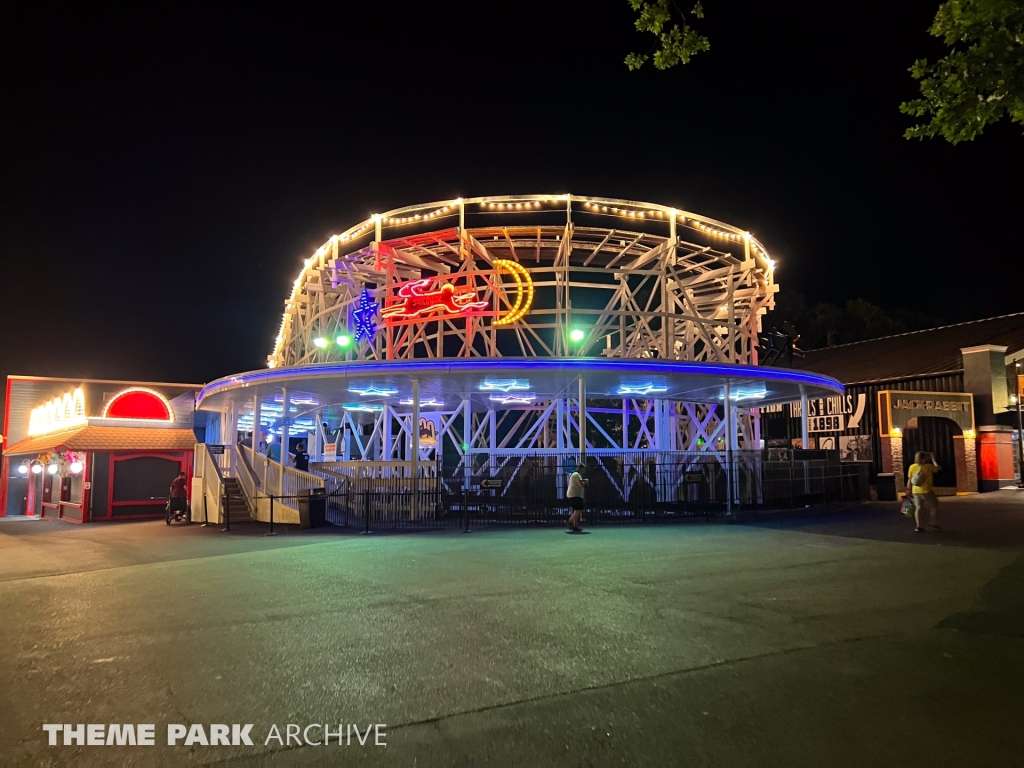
845 640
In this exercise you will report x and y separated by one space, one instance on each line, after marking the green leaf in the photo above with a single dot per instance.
675 45
980 80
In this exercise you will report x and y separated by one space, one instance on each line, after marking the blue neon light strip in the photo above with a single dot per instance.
524 399
490 385
517 364
640 389
374 391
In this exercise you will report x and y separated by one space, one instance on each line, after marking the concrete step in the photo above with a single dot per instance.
235 504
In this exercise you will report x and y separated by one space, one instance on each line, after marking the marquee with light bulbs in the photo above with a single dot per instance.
132 404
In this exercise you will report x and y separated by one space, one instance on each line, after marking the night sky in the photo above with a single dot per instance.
164 172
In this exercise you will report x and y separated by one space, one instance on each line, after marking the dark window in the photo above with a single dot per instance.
144 477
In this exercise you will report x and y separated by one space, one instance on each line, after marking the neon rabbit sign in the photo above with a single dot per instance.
417 301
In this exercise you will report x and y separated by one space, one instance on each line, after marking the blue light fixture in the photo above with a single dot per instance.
505 385
641 389
374 391
524 399
367 407
423 401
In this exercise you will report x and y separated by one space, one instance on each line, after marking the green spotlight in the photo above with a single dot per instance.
344 340
576 335
321 343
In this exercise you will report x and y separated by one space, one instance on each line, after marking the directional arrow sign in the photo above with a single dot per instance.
491 482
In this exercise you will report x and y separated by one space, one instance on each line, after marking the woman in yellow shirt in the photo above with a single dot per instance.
920 479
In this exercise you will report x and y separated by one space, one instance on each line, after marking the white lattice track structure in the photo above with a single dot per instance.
641 280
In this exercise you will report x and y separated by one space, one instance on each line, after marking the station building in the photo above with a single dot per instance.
85 450
953 391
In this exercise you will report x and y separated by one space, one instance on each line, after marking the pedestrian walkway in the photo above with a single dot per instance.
842 641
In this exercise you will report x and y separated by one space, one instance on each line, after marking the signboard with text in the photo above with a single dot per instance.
898 409
825 423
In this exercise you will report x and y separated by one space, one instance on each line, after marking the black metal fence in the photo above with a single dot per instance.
503 490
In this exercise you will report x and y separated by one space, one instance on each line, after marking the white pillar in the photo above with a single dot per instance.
583 421
415 443
319 437
230 424
625 424
256 415
467 439
659 426
729 430
806 440
804 435
286 421
385 431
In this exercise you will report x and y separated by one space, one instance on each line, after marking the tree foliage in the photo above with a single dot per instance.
980 80
825 325
675 44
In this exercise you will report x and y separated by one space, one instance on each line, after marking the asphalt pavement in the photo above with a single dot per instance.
832 640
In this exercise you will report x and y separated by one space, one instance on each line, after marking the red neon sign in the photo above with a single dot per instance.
138 403
417 300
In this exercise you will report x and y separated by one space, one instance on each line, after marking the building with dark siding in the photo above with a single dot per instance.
978 358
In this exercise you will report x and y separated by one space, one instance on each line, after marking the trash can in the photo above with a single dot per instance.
312 508
886 486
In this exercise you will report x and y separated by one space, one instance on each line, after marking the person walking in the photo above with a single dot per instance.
921 479
575 493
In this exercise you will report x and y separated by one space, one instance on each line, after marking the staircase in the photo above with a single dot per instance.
237 507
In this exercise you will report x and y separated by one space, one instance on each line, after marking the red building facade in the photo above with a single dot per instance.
92 450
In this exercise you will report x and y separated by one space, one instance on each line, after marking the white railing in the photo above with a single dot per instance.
269 478
360 469
296 480
267 472
333 481
246 477
208 468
